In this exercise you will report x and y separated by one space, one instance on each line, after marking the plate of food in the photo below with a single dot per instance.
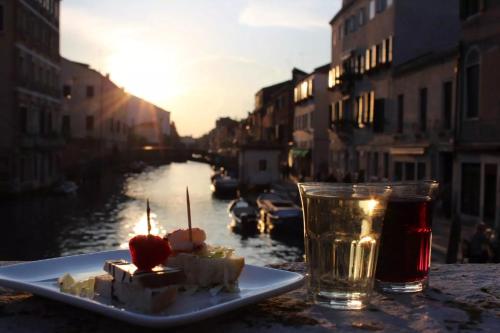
159 282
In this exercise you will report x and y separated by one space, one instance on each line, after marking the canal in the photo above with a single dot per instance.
104 215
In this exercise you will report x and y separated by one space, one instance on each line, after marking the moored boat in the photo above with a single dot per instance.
244 216
279 214
224 185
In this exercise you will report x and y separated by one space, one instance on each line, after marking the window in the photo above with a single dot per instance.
338 112
388 49
365 109
90 91
66 126
421 167
371 106
423 109
360 64
372 9
378 49
379 115
490 193
470 189
262 165
67 91
472 85
367 59
409 171
362 16
375 164
373 61
383 52
447 104
401 110
386 165
398 171
381 5
303 90
331 77
89 123
389 3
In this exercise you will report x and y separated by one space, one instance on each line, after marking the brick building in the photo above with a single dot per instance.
309 156
29 94
391 61
478 138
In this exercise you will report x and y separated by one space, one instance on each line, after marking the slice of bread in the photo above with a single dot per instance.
206 272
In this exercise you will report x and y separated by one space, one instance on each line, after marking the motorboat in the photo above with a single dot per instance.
243 214
224 184
280 214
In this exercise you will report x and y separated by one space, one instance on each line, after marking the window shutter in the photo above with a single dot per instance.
372 9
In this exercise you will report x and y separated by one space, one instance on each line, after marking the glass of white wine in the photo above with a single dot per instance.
342 229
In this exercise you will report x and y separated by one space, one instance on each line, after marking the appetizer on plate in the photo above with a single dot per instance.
204 265
160 267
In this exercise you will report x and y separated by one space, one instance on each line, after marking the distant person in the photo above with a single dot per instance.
479 246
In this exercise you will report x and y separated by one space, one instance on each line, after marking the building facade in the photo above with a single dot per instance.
309 156
29 94
273 116
377 47
148 123
94 109
478 138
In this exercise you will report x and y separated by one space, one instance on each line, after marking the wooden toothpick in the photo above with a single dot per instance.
148 213
189 215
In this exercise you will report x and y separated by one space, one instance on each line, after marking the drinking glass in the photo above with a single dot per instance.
342 228
405 252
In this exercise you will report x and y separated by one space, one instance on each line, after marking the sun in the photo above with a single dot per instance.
148 71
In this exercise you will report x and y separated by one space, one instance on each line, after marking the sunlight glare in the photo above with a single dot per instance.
148 71
141 228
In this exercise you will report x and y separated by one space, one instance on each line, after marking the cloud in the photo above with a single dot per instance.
294 14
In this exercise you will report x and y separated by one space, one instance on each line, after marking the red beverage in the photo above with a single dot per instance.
405 250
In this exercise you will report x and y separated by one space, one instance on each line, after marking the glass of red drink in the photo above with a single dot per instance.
405 251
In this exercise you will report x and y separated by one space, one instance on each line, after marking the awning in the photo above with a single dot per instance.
297 152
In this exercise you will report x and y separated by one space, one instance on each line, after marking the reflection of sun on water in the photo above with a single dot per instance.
141 228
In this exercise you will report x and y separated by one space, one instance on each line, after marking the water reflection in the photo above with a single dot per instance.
111 211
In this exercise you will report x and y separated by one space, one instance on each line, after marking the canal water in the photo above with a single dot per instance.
104 215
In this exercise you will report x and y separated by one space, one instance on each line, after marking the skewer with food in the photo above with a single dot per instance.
161 267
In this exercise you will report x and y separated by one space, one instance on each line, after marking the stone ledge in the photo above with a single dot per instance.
460 297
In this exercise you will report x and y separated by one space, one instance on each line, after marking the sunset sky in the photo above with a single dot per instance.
199 59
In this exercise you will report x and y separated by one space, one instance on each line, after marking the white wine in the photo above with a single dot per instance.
341 241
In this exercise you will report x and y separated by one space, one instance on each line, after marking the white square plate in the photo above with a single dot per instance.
40 277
